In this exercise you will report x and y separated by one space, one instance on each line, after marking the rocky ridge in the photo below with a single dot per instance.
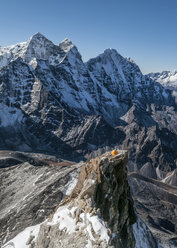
98 212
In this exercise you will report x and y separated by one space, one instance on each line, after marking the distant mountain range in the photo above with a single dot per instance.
167 78
53 102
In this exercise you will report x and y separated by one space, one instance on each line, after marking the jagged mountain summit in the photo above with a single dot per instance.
37 47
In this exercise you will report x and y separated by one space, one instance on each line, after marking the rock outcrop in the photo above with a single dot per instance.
156 205
101 196
58 204
95 211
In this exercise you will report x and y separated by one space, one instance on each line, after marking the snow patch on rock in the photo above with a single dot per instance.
66 219
22 239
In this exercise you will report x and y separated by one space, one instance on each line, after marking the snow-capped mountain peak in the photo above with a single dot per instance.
38 35
110 51
38 47
66 45
93 87
70 50
39 40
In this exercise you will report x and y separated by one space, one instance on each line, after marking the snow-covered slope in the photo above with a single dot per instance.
64 218
37 47
24 238
108 84
92 226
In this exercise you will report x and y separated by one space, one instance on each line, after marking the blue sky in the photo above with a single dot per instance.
140 29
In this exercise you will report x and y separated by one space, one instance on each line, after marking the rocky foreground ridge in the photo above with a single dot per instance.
97 211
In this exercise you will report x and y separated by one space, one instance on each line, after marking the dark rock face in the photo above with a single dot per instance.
148 171
102 192
117 212
156 204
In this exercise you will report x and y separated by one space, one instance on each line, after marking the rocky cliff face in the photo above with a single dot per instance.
97 212
101 193
156 205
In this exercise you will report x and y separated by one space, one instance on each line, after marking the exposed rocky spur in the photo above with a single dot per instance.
98 211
